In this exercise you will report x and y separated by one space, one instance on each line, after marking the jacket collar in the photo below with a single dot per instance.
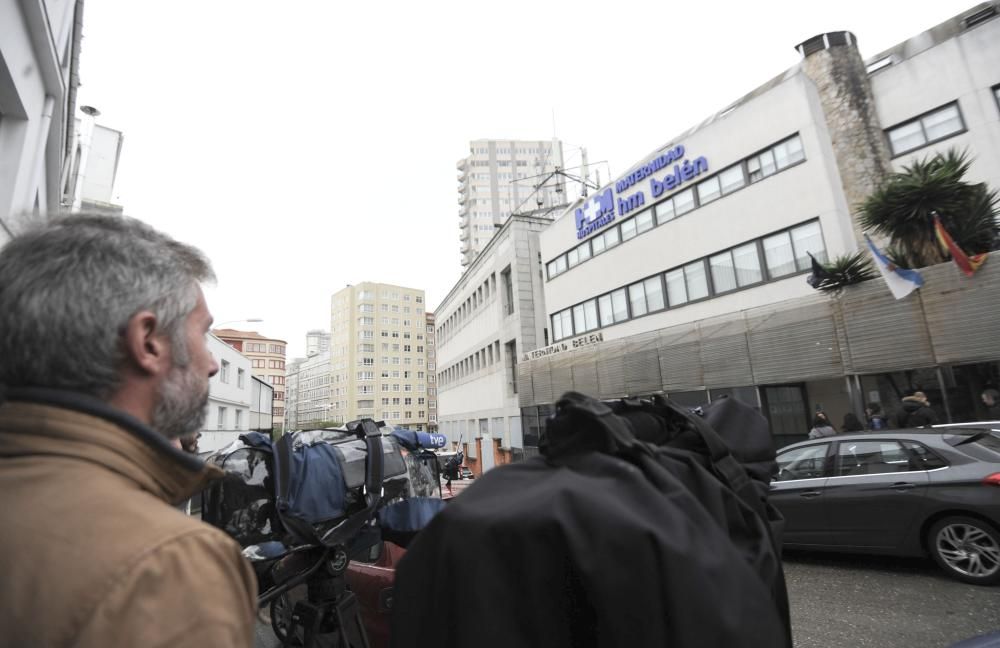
42 421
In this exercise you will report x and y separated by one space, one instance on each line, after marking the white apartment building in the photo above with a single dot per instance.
686 275
307 391
39 63
378 355
317 341
494 312
267 361
504 177
229 398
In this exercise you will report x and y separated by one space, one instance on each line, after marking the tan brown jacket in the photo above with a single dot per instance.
92 552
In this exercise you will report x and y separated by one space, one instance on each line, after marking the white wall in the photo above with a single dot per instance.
963 68
35 43
792 196
485 393
229 394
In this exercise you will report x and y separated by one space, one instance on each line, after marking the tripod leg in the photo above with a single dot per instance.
352 629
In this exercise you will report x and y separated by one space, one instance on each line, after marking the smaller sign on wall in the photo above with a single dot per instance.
565 345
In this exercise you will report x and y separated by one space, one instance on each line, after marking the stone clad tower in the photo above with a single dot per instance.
832 62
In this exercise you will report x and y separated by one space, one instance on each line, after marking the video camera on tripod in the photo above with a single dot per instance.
305 506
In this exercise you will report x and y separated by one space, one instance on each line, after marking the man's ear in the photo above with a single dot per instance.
145 345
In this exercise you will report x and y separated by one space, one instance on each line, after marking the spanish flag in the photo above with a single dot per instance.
968 265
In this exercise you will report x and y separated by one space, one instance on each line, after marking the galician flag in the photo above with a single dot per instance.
967 264
901 281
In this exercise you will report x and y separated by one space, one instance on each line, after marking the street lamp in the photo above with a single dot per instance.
249 319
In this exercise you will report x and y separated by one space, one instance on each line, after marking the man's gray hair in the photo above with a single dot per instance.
68 288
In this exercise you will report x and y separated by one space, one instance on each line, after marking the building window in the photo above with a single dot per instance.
510 349
508 291
934 126
224 371
239 419
709 190
562 324
278 348
222 418
240 378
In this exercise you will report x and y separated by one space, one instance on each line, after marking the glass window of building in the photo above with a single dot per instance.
619 305
654 294
664 211
779 255
936 125
676 292
788 152
732 178
684 201
611 238
942 123
644 221
747 264
723 272
805 239
562 324
584 250
708 190
572 257
597 243
697 281
628 229
578 323
637 299
604 305
590 314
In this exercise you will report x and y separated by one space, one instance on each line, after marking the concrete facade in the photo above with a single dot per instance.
719 257
230 394
307 391
39 63
500 178
267 361
378 355
489 317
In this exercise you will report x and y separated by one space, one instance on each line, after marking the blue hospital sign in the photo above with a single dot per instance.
595 213
600 210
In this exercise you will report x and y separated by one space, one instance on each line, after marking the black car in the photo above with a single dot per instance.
900 492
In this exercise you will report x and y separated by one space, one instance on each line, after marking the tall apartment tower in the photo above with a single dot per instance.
501 177
378 355
317 341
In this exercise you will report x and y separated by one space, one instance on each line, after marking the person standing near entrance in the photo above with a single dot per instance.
876 421
991 399
915 411
821 426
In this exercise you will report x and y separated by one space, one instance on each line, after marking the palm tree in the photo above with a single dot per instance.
903 208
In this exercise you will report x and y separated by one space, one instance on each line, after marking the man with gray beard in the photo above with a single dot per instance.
103 363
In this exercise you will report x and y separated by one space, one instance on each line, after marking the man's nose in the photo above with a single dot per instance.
213 368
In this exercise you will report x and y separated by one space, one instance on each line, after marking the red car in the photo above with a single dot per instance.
372 584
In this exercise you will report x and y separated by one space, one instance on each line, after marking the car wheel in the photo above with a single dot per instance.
967 548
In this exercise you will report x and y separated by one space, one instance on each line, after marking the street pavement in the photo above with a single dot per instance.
849 600
858 601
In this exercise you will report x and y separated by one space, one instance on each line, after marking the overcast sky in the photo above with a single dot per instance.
305 146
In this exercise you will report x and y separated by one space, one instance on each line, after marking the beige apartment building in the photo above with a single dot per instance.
378 355
267 362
